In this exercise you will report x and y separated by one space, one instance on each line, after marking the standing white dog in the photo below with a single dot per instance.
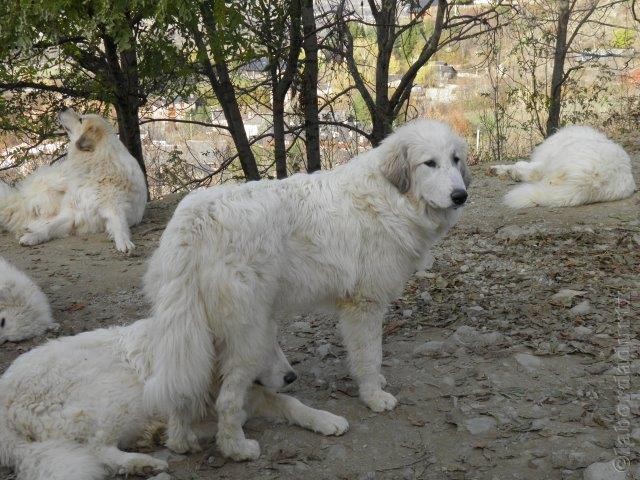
98 187
575 166
233 259
69 406
24 309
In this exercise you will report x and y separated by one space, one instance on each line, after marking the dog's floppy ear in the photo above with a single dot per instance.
395 167
90 138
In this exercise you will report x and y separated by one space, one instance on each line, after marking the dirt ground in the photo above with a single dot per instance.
528 388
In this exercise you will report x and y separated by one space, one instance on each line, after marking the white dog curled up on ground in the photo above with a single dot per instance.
575 166
24 309
233 259
69 407
98 187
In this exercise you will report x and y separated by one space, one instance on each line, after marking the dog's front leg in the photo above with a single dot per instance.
361 326
263 402
118 229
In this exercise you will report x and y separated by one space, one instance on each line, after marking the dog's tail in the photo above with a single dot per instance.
48 460
180 340
544 194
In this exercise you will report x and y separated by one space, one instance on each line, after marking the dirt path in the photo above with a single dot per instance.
526 389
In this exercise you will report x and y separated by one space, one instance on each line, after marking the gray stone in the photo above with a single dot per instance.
161 476
512 232
564 298
407 313
302 327
324 350
582 308
582 331
603 471
429 349
569 459
425 297
480 425
530 362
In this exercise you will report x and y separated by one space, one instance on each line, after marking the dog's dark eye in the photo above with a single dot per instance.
431 163
2 323
456 159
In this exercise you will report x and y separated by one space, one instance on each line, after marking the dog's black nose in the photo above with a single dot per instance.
290 377
459 196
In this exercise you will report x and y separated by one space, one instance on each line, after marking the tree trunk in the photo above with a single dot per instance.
557 77
277 105
129 131
223 88
310 87
225 93
123 71
382 116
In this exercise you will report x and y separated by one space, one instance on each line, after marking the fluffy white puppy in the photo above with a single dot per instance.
575 166
234 258
98 187
24 309
67 408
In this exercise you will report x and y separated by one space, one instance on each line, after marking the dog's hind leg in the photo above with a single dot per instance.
521 171
361 326
44 230
127 463
246 351
118 229
180 436
263 402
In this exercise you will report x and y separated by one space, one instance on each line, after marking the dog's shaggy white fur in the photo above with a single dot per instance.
98 187
24 309
68 407
575 166
234 258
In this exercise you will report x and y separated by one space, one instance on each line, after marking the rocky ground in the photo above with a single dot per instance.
502 355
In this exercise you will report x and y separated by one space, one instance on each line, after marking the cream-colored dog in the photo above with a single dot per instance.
234 259
575 166
98 187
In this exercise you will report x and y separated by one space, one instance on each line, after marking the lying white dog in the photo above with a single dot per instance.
575 166
24 309
234 258
69 406
98 187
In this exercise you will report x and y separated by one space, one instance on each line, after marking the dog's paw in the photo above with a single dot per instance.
184 444
140 464
29 239
379 400
241 450
329 424
124 245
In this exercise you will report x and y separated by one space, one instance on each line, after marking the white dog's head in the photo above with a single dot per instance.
86 132
22 317
277 372
427 160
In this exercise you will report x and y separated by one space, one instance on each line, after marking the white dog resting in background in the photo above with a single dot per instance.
98 187
575 166
24 310
234 258
69 406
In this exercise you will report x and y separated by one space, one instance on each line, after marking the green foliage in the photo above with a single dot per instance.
623 38
58 49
